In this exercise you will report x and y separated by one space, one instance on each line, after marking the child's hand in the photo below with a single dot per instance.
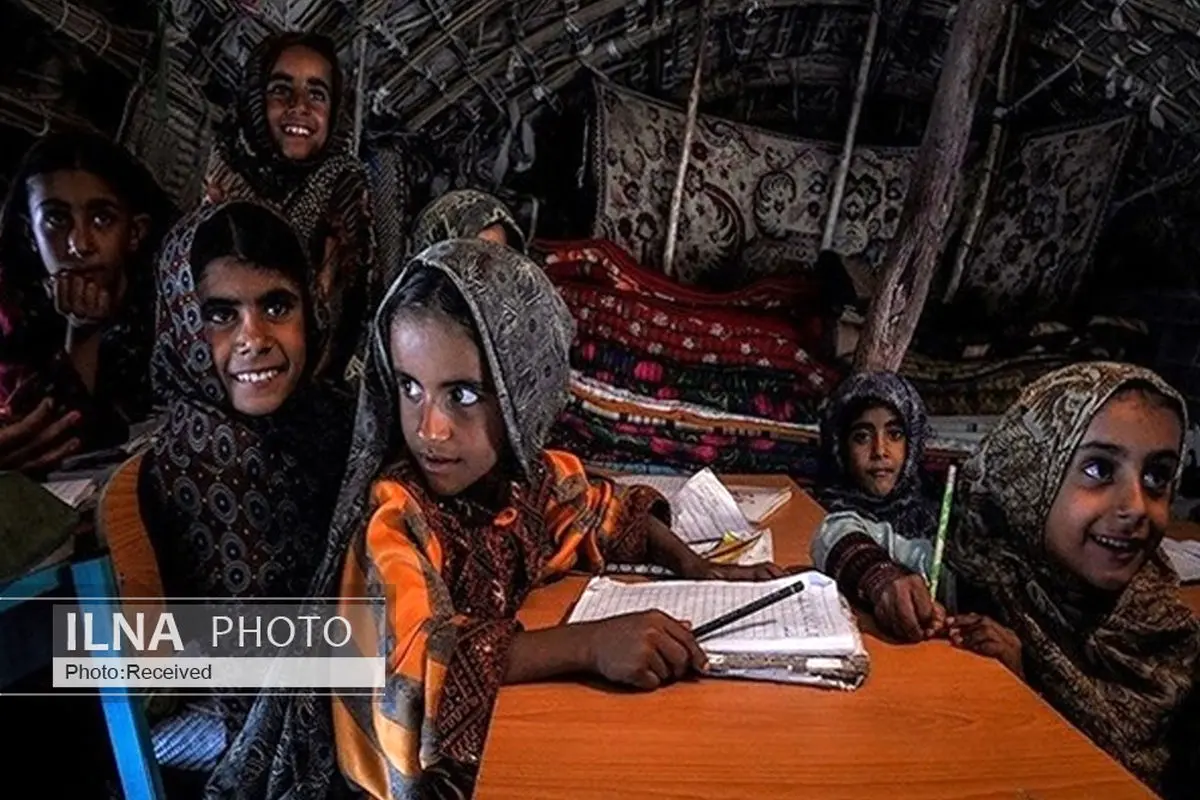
985 636
905 610
81 299
39 440
644 650
765 571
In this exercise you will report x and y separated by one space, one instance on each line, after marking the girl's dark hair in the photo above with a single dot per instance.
87 152
253 235
430 290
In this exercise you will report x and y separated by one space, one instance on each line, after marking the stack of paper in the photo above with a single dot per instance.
1184 556
704 514
74 492
810 638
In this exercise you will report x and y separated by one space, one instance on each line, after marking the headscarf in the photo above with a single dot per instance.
464 214
31 330
906 507
1116 672
242 503
323 197
286 750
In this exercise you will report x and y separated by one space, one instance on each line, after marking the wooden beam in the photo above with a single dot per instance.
914 253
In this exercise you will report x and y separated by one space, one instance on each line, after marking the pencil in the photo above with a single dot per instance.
939 546
771 599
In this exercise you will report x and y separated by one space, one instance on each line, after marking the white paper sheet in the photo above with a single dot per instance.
755 503
1185 557
814 622
704 510
72 492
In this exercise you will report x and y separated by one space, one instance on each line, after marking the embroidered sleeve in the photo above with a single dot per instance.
444 669
593 520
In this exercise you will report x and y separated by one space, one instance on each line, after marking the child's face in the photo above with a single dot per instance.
493 233
80 224
299 99
876 447
254 321
1114 503
450 418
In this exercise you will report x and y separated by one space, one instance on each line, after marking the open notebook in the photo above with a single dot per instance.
704 513
810 638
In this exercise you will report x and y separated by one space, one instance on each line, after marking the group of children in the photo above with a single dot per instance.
266 480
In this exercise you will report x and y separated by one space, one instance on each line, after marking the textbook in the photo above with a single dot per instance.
811 638
707 516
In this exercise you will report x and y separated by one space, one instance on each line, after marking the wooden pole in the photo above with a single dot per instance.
913 255
860 92
689 132
990 161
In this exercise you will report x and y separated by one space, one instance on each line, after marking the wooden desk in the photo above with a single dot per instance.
930 722
1188 530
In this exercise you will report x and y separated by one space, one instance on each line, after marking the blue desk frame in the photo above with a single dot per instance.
95 589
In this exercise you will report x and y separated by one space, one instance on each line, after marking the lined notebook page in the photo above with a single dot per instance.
814 622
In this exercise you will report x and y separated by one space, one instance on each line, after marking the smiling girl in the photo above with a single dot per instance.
80 224
289 147
1058 548
241 484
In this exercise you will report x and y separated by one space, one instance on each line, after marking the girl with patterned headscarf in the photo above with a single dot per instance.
1067 501
289 146
241 484
873 433
459 511
467 214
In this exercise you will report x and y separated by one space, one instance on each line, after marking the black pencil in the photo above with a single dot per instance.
741 613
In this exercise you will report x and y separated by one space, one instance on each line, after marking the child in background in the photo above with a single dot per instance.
873 433
80 227
469 513
467 214
289 145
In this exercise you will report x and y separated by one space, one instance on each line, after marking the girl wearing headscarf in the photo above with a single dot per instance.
466 214
241 483
468 512
289 146
79 228
1066 504
873 433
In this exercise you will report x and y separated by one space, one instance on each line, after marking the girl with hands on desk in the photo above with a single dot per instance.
873 433
454 508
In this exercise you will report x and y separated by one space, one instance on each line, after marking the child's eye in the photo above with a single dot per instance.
279 309
1098 470
1157 480
896 434
410 389
464 396
279 90
54 220
217 315
103 220
318 96
860 438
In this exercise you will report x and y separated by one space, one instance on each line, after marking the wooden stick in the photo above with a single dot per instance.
995 144
914 252
860 93
360 89
689 132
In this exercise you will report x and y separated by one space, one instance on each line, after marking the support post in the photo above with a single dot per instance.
914 253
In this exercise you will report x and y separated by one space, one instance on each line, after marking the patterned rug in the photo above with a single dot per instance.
1036 241
754 202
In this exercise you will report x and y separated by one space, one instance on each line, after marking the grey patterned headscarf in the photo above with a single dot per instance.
1116 672
464 214
524 326
906 507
